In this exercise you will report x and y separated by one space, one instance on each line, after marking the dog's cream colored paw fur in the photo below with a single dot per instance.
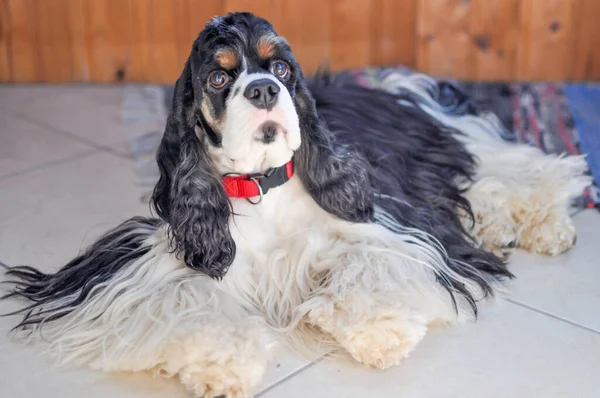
233 379
381 338
553 235
383 343
219 359
496 232
494 227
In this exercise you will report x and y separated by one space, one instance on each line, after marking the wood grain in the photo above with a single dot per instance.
494 39
443 38
306 27
76 40
268 9
393 32
162 51
108 40
140 68
547 28
5 66
585 56
56 56
23 41
149 40
350 33
191 17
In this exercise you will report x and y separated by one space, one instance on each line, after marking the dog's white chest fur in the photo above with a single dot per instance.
283 213
278 244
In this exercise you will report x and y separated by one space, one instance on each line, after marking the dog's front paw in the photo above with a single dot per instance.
553 235
496 233
380 338
382 343
493 226
231 379
219 359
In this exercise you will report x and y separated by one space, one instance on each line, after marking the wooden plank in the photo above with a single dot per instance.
494 39
393 32
163 33
23 41
107 40
76 23
546 39
585 51
443 38
306 26
5 72
268 9
140 41
148 40
54 41
164 61
191 17
201 12
350 33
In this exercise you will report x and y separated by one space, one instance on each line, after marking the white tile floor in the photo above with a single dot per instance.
65 177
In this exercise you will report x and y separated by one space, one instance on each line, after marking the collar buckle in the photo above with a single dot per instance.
271 179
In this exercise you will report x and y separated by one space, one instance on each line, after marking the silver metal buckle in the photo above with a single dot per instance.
254 180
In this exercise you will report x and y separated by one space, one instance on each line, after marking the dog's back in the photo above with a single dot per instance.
415 162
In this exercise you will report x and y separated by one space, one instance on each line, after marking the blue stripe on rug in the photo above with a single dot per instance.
584 102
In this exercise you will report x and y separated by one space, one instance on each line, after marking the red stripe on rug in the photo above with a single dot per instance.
532 117
562 131
517 113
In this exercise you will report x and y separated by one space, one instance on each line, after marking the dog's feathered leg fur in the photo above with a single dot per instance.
129 304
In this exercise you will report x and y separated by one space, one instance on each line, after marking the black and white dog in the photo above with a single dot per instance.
300 211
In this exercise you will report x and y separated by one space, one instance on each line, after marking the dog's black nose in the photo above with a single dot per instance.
262 93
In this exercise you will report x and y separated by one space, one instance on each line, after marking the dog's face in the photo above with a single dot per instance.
244 78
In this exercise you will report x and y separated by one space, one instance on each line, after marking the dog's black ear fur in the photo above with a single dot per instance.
189 195
335 176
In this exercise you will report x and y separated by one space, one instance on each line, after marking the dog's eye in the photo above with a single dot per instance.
218 79
280 69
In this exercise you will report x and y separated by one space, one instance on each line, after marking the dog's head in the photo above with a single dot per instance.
241 105
244 79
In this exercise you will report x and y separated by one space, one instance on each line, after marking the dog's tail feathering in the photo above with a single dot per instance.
54 296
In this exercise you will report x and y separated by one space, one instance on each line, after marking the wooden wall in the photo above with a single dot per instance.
148 40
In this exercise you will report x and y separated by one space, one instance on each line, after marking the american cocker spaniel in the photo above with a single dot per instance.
300 211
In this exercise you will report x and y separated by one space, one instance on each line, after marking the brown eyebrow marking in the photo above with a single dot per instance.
266 45
226 58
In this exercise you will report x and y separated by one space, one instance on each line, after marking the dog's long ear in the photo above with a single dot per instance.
336 177
189 195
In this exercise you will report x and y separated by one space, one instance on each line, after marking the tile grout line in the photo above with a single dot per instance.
512 301
290 375
68 134
554 316
55 162
577 212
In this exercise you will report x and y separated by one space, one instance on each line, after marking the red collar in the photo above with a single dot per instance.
252 185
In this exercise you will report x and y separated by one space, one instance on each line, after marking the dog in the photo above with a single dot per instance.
299 211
